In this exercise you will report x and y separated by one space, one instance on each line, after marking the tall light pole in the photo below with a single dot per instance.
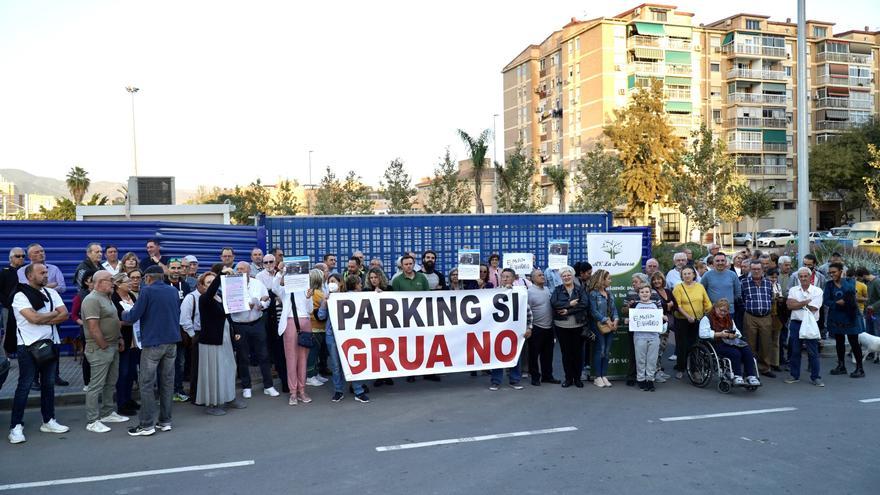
132 90
803 165
494 159
311 185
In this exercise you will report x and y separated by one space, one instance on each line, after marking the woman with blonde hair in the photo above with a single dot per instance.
318 353
130 262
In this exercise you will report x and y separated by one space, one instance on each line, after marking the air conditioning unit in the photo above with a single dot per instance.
618 68
698 48
621 92
717 49
151 190
718 120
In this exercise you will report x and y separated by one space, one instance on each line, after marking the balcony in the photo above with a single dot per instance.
853 58
762 169
834 102
643 41
783 147
844 81
680 120
774 75
833 125
677 94
757 122
679 44
683 70
748 161
756 51
744 146
654 68
756 98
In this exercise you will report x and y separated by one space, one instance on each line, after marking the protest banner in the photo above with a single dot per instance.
521 263
468 264
235 293
393 334
646 320
296 273
620 254
558 253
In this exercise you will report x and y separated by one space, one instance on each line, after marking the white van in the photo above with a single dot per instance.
862 230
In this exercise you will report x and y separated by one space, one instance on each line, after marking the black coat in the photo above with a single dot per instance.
561 300
212 315
126 329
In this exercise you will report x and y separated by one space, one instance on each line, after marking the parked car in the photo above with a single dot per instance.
840 232
821 235
742 239
775 237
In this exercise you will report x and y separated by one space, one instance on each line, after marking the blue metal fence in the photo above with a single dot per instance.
65 243
387 236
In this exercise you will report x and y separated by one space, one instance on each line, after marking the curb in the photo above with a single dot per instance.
68 399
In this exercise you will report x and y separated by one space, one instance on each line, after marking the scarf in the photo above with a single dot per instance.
718 323
37 299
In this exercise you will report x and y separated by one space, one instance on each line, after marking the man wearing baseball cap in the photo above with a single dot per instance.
191 270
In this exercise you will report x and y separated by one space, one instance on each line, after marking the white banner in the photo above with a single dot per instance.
392 334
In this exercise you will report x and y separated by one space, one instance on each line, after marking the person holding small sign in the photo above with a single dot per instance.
646 340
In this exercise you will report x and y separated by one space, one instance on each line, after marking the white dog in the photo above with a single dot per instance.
870 344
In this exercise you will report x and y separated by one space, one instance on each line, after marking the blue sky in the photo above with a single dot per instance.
233 91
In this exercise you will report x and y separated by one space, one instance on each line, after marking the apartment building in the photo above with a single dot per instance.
737 74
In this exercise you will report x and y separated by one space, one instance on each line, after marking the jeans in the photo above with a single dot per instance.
105 371
27 371
601 352
794 345
741 359
128 374
646 347
515 375
541 350
179 368
157 358
336 367
253 339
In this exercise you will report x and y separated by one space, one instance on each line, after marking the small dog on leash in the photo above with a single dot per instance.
870 346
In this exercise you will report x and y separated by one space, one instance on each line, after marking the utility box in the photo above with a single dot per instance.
151 190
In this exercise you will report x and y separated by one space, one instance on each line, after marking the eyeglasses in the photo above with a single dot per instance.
175 260
18 256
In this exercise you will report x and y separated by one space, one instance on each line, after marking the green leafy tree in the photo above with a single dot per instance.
477 148
397 188
597 181
756 204
285 202
356 196
342 197
518 192
647 147
78 183
558 176
704 175
838 167
448 193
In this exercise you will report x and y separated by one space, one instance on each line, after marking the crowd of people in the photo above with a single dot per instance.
159 323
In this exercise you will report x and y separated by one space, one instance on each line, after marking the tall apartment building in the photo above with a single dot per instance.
736 74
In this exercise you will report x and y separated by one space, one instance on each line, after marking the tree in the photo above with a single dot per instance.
756 203
78 183
348 197
558 177
646 146
448 193
839 166
328 196
285 201
65 209
356 196
704 176
477 149
518 191
397 188
730 206
597 181
249 201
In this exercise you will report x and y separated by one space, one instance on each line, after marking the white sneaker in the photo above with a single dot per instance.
314 382
738 381
16 435
114 417
753 381
246 393
85 388
97 427
53 427
322 379
271 392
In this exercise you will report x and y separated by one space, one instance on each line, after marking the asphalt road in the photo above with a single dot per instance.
827 444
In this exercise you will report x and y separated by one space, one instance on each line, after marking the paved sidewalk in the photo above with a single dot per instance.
71 370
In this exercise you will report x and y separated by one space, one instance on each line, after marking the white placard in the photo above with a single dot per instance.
558 256
646 320
235 293
136 332
468 264
616 253
296 274
521 263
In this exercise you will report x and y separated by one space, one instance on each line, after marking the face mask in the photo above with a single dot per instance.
333 287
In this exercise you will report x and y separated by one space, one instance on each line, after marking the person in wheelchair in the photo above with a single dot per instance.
718 327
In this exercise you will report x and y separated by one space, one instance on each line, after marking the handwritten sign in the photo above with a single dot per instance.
468 264
235 293
646 320
296 274
521 263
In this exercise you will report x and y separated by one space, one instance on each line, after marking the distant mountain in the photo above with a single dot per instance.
27 183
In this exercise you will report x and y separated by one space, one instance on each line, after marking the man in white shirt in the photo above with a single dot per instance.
251 326
802 298
191 323
673 278
37 309
111 260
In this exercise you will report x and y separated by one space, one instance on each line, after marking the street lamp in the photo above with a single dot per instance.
494 159
310 186
132 90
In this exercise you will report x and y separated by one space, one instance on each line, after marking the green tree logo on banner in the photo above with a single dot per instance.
613 248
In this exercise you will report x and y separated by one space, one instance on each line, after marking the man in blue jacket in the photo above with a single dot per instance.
157 313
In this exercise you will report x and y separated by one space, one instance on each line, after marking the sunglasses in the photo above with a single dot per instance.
18 256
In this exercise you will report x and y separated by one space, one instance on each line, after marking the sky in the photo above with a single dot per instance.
235 91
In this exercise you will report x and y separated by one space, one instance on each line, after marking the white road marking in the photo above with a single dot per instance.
865 401
135 474
481 438
728 414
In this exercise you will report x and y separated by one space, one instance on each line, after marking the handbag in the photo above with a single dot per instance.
809 327
303 339
43 350
605 327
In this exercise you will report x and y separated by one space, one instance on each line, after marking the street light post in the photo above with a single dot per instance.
310 186
494 159
803 165
132 90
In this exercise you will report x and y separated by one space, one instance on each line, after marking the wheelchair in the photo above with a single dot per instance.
704 364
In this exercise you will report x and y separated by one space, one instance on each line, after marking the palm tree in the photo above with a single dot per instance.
477 149
558 175
505 183
78 183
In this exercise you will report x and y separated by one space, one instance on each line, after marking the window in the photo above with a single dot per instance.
715 41
577 44
788 71
715 67
671 227
658 15
716 115
819 32
715 91
753 24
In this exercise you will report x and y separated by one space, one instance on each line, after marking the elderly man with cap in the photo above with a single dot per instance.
157 309
191 270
